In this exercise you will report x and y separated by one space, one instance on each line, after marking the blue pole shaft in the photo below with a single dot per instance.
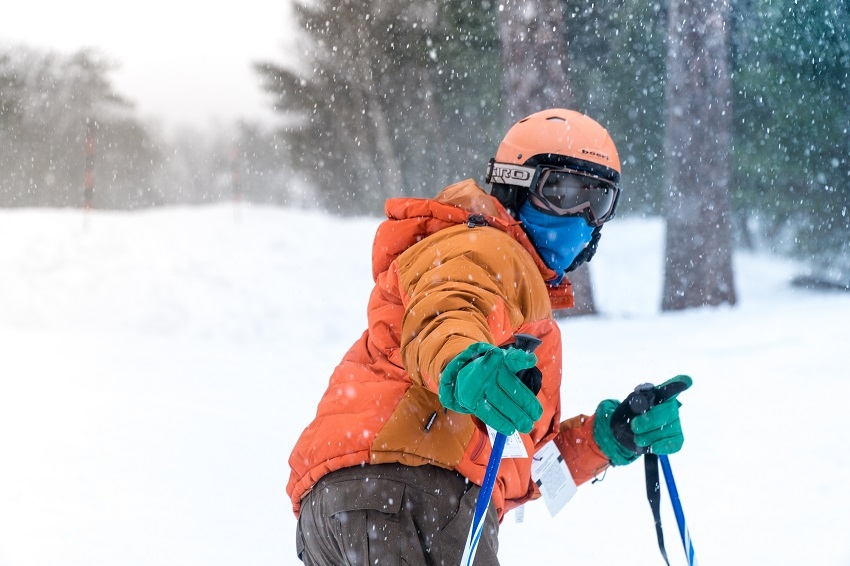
677 510
528 343
483 502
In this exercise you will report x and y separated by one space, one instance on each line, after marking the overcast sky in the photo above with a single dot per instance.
181 62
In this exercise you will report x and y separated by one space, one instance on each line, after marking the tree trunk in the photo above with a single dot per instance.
534 63
534 57
698 266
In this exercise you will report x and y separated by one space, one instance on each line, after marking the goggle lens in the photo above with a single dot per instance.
569 193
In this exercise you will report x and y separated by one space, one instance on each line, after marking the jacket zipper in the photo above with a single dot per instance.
479 446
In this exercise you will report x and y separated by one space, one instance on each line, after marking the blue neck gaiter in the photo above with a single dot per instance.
558 239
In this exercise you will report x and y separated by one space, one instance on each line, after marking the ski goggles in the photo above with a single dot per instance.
561 191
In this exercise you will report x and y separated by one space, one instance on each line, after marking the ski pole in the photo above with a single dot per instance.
677 510
529 344
483 502
641 400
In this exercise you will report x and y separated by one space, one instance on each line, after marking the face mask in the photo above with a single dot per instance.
558 239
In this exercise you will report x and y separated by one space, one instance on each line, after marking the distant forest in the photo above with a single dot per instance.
60 114
392 97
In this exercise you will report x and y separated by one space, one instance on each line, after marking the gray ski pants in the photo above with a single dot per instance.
392 515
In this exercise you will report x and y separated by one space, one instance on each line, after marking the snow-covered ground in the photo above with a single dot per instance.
156 368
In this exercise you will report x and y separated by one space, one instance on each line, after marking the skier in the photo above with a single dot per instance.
389 470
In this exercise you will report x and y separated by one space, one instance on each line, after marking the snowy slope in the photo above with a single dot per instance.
156 368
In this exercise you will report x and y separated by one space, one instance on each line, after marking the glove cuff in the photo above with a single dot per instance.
604 437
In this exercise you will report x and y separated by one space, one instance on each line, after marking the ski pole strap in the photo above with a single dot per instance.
653 494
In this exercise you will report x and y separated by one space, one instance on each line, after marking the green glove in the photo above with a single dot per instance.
646 422
482 380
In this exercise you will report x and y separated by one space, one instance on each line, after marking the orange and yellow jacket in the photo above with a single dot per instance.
448 272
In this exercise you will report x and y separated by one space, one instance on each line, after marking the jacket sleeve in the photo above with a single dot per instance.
451 306
464 285
582 455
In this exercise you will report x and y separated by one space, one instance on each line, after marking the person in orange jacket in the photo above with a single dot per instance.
389 469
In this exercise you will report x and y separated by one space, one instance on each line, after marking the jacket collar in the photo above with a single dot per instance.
467 203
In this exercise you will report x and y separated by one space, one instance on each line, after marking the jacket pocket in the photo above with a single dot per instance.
374 494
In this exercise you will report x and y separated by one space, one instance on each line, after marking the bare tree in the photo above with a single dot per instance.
534 69
698 266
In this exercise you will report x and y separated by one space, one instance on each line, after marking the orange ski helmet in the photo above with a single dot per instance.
555 137
558 133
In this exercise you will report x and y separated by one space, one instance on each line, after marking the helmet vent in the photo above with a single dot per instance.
556 119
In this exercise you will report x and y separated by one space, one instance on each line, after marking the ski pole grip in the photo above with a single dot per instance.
526 342
668 391
642 399
646 396
531 377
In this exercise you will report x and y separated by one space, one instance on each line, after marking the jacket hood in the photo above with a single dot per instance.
417 218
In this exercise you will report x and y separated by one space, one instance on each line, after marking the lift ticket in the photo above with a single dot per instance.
553 478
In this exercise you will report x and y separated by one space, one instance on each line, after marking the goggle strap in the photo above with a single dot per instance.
509 174
588 252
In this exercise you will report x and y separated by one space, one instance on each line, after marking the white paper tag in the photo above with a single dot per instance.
550 473
514 448
519 514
